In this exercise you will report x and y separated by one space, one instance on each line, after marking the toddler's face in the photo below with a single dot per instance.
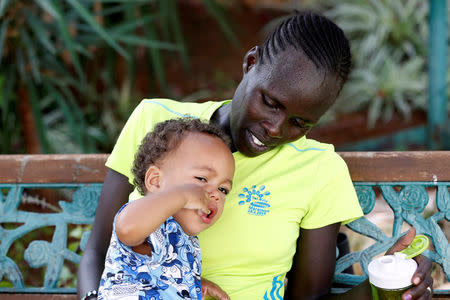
205 160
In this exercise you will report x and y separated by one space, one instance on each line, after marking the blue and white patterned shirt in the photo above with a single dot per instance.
172 272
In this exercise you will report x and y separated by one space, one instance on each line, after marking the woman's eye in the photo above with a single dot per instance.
300 123
223 190
269 102
203 179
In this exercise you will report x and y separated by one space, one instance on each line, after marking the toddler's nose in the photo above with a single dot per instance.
213 193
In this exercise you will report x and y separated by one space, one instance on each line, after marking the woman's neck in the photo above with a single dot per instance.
221 118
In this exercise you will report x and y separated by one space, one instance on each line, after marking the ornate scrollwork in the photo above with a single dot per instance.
366 197
84 202
38 254
9 269
413 197
407 201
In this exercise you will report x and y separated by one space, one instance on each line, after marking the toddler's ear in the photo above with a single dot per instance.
152 178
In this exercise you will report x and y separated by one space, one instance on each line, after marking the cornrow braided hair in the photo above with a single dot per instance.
165 137
320 39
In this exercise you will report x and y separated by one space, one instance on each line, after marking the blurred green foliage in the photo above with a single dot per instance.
389 47
62 56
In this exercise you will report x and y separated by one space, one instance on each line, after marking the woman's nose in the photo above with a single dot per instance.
274 127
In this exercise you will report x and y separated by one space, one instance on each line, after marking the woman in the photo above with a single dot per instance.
290 194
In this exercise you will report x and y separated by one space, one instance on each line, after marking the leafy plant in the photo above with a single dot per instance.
389 44
46 47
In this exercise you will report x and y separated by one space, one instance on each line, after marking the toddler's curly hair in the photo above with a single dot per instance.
165 137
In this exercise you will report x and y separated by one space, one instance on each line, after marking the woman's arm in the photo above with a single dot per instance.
115 192
314 266
314 262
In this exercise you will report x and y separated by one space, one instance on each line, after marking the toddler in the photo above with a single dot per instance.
185 170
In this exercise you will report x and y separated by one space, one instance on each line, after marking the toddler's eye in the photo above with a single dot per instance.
223 190
202 179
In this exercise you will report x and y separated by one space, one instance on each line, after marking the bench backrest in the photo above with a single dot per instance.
406 181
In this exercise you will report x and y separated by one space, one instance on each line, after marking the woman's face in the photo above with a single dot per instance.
278 102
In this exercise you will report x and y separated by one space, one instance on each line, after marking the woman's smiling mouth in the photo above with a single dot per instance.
256 143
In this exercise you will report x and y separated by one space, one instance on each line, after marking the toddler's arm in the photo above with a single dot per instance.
143 216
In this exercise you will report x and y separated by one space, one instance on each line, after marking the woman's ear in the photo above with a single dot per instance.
152 178
250 59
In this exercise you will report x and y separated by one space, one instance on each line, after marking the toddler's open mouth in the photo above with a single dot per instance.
207 218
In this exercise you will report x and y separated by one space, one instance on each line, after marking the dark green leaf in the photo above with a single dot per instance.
3 6
31 53
135 40
217 12
40 32
20 62
156 59
37 115
48 6
3 29
65 35
75 130
107 11
10 81
132 25
164 12
101 32
58 71
176 26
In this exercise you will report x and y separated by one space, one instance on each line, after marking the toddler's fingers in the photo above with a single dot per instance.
202 211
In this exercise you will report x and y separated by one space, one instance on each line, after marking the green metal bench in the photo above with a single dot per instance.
404 180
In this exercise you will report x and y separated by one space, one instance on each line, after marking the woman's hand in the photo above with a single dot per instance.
422 280
210 289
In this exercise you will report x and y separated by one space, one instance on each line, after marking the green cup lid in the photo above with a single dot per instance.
418 245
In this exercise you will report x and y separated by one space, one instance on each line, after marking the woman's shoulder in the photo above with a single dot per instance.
312 151
305 145
174 108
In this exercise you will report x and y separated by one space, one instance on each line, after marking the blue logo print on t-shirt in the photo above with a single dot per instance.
255 197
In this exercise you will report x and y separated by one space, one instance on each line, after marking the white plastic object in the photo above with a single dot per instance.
392 272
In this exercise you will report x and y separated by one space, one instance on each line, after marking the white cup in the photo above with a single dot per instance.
390 276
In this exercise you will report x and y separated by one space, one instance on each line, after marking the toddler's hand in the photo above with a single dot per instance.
196 197
210 289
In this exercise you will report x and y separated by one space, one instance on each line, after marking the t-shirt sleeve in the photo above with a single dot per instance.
157 240
122 156
335 198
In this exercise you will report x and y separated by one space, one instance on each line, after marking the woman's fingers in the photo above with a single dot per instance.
423 269
403 242
421 291
213 290
218 294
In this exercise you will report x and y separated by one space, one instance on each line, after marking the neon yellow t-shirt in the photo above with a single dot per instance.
250 248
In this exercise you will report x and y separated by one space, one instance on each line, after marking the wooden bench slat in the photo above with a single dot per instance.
61 168
363 166
398 166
